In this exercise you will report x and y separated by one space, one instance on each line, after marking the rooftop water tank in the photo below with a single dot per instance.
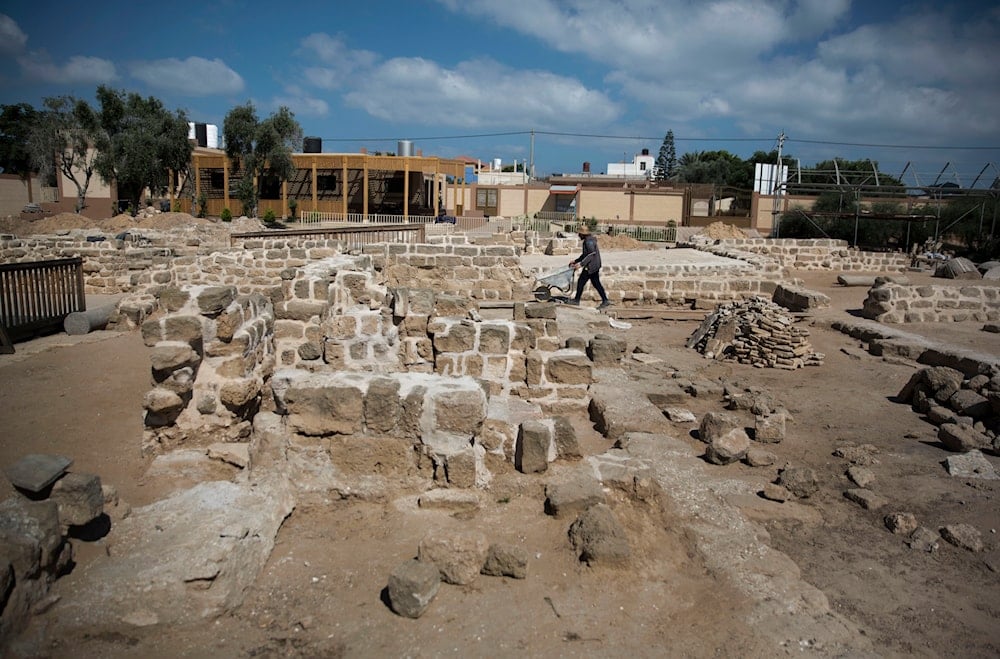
404 148
312 145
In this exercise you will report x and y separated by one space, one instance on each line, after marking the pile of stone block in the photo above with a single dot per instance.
756 332
966 409
49 503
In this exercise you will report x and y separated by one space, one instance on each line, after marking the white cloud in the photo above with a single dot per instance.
331 63
301 103
37 67
194 76
926 75
12 39
478 94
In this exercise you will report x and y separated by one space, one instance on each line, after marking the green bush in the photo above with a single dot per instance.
227 215
202 205
269 215
293 206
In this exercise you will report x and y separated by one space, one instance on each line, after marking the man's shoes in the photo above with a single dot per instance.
575 303
604 305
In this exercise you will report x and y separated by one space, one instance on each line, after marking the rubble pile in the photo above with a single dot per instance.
757 332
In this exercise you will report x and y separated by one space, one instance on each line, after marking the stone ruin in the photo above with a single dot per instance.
756 332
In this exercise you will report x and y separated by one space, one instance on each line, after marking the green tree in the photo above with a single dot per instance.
16 122
258 148
715 167
140 141
62 141
666 160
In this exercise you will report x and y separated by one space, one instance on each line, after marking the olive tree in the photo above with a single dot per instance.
139 142
16 122
256 148
62 141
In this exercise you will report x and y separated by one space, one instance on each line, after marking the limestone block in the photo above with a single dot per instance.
605 350
234 394
531 454
728 448
459 556
30 535
460 337
573 496
458 408
717 424
162 402
301 310
460 468
412 586
523 339
800 481
504 560
494 338
568 367
769 428
36 471
79 498
382 405
962 438
969 403
564 435
317 408
172 298
599 538
213 300
341 327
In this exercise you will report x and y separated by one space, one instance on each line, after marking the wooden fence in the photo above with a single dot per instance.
36 297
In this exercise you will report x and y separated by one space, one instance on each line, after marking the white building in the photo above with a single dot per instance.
641 165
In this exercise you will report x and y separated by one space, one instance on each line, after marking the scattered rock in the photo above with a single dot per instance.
860 476
680 415
412 587
531 455
36 471
924 539
567 446
859 455
599 537
971 465
866 498
769 428
775 492
961 437
573 496
800 481
79 497
504 560
717 424
459 556
964 536
901 523
449 499
758 457
728 448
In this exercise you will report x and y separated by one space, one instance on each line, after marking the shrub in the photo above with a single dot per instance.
227 215
202 205
293 206
269 215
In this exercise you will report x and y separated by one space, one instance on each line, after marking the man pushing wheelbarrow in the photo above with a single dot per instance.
589 265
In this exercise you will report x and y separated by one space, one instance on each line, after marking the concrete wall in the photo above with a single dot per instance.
658 206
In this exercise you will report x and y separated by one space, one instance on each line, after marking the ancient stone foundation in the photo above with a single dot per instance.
893 303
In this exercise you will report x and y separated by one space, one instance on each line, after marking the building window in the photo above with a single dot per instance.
642 166
326 183
218 179
486 198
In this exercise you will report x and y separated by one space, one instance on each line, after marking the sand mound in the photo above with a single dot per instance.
719 230
113 225
623 243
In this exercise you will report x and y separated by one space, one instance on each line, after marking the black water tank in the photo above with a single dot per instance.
312 145
201 134
645 152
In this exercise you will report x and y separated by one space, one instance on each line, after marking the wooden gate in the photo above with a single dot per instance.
36 297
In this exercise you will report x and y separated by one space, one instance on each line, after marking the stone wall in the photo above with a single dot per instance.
815 254
212 354
895 303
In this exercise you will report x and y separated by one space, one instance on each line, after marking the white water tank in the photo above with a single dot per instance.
404 148
213 136
496 164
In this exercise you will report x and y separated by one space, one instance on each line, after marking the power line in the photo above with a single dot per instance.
898 146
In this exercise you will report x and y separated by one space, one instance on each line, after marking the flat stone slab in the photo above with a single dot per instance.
971 465
36 471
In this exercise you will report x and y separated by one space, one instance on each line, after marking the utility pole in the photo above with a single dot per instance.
776 190
531 155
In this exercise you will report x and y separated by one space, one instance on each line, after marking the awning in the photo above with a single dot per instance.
564 189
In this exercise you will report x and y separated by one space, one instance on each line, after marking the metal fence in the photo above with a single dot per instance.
36 297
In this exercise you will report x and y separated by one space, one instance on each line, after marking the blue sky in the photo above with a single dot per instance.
724 74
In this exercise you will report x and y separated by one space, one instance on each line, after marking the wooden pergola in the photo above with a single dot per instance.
438 170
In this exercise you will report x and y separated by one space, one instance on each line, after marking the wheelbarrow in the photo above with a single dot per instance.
561 280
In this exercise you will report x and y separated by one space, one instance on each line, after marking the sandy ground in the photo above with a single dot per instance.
321 592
